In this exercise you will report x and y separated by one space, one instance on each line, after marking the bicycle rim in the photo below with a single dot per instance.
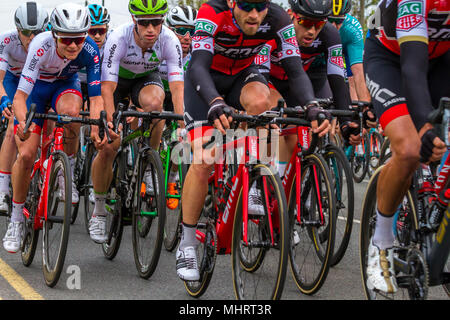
57 225
259 265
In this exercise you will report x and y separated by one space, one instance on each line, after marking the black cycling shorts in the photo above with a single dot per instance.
228 86
383 78
130 88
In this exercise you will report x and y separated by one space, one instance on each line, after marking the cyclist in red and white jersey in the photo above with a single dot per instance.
406 62
228 35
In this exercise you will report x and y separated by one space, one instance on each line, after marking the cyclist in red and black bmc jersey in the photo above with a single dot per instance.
407 63
228 35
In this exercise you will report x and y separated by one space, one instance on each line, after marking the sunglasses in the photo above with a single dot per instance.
28 33
337 20
69 40
249 6
181 31
94 31
144 22
308 23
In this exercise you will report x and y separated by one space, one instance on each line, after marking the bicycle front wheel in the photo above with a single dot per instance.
57 223
149 214
313 230
259 261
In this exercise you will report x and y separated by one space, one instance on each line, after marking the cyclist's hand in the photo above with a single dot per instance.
312 114
4 101
217 116
20 128
7 113
351 133
369 119
432 148
95 137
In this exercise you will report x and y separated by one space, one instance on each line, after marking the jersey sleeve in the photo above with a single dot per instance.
5 40
115 49
206 27
333 53
37 55
91 59
411 24
173 58
262 59
353 43
286 39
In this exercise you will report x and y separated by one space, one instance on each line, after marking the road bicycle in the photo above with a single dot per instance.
422 240
4 122
49 202
258 243
129 200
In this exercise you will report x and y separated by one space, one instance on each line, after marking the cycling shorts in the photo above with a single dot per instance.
130 88
48 93
228 86
383 78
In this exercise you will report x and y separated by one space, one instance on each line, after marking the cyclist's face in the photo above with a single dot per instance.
186 39
305 35
25 40
98 34
69 45
148 28
250 21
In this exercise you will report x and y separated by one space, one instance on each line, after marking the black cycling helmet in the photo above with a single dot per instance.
341 7
318 9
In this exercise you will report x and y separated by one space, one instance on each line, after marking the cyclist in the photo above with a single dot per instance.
227 37
99 31
406 63
49 76
352 38
30 19
133 54
181 20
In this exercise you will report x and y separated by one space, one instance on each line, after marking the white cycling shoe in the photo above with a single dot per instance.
187 266
13 237
380 270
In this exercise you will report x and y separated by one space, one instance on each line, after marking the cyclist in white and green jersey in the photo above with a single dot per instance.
132 56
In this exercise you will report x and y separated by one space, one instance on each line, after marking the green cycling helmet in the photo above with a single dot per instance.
147 7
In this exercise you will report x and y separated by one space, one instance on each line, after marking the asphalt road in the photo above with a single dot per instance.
88 275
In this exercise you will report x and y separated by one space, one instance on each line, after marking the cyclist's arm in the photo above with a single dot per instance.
108 88
20 105
177 91
360 82
299 83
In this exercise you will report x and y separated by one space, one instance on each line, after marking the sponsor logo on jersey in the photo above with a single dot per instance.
96 59
263 56
288 35
40 52
205 25
28 79
7 40
336 56
95 83
410 14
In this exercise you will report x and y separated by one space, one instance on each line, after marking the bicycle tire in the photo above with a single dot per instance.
375 152
313 241
52 271
79 164
87 185
31 235
342 175
114 207
149 225
368 221
273 279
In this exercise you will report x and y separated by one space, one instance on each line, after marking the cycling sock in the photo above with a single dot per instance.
5 178
383 237
17 212
281 168
188 236
99 207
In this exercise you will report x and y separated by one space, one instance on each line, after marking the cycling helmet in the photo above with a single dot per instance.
70 18
341 7
312 8
31 16
99 15
181 16
147 7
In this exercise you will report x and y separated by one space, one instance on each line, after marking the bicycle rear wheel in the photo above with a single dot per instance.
149 215
57 223
313 236
359 161
376 143
259 264
406 230
31 234
344 196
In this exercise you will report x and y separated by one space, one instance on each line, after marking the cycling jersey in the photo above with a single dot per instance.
82 75
401 21
163 70
125 59
12 53
327 43
352 38
44 64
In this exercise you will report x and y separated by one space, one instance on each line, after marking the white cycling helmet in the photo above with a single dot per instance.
181 16
70 18
31 16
